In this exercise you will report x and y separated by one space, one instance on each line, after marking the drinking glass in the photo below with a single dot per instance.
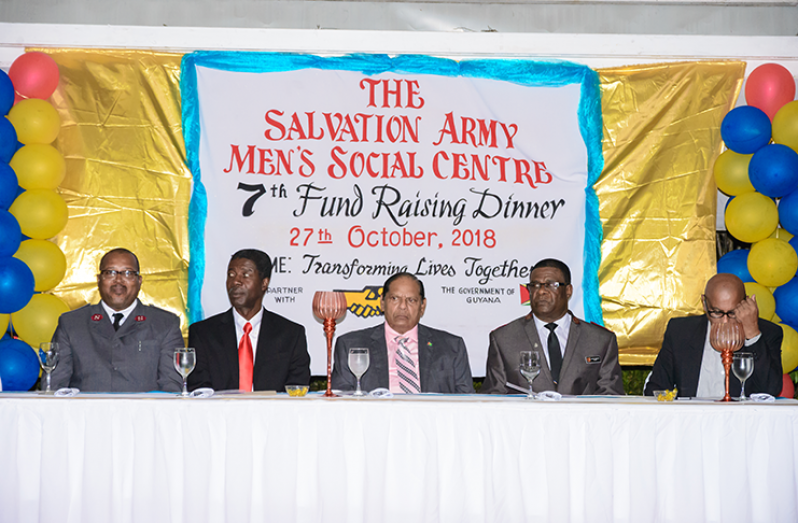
530 368
185 360
358 364
48 359
743 367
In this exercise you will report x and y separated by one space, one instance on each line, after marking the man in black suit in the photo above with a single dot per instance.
248 347
405 357
688 362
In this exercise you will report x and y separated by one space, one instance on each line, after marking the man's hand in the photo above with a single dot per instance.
747 313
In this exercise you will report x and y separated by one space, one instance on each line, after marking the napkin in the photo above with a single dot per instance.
761 397
66 392
549 395
381 393
203 392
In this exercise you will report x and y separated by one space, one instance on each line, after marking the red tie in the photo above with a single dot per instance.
245 360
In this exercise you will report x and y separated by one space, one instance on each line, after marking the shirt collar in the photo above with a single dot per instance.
241 321
125 313
565 320
412 334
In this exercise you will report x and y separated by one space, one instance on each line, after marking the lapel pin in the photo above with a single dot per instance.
96 317
141 318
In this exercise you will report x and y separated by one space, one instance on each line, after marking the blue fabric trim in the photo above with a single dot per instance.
523 72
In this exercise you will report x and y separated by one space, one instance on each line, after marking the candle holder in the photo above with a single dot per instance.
329 307
727 338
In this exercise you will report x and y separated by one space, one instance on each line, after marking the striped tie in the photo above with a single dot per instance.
406 369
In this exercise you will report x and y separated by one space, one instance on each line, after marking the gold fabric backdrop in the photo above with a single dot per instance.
127 183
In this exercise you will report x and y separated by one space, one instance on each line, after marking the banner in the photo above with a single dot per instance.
346 170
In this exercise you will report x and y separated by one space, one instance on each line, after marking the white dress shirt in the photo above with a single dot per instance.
712 377
125 313
562 330
240 321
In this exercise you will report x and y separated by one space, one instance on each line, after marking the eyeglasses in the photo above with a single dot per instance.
719 314
110 274
550 285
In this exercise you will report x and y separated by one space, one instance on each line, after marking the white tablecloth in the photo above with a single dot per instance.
153 458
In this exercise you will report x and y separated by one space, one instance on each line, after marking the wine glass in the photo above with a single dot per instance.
185 360
48 359
358 364
530 368
743 367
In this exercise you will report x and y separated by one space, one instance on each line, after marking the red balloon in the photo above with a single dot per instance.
34 75
788 387
769 87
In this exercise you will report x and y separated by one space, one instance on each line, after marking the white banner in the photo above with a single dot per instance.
345 178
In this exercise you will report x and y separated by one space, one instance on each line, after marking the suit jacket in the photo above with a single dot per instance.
281 357
442 360
589 366
678 363
136 358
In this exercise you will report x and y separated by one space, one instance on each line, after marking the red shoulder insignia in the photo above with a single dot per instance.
141 318
96 317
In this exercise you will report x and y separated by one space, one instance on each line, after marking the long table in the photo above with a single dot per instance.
156 457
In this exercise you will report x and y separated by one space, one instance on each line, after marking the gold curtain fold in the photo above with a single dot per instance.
657 195
127 184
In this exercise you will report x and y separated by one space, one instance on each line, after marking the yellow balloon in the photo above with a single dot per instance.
764 299
785 125
45 260
36 121
38 166
750 217
772 262
36 322
41 213
789 348
775 318
3 324
781 234
731 173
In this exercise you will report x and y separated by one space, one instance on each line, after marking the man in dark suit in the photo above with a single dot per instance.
580 358
119 344
405 357
248 347
688 362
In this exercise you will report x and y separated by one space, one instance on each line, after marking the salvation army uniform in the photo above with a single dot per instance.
136 357
589 362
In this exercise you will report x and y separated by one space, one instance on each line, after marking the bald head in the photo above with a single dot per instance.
724 292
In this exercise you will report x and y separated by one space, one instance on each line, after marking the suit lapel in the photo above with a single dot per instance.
378 358
226 337
265 349
544 380
131 325
571 358
425 356
100 323
691 360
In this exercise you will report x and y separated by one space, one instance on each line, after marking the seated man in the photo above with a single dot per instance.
248 347
119 344
405 357
582 358
688 362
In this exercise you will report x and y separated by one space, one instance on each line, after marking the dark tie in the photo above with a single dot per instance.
117 318
555 356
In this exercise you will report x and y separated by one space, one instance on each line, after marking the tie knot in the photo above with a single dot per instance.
247 328
551 326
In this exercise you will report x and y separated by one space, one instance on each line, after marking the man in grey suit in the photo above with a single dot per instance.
119 344
405 357
580 358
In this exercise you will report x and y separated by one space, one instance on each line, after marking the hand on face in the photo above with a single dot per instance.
747 313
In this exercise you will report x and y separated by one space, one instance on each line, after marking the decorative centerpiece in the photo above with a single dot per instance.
331 307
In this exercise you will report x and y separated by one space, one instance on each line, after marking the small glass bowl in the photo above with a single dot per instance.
296 391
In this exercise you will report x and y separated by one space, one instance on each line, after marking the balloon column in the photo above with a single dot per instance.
760 171
31 211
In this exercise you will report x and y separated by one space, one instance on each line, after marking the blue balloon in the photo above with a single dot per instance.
19 365
8 140
787 302
773 170
8 186
745 129
6 93
16 285
10 234
788 212
736 262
